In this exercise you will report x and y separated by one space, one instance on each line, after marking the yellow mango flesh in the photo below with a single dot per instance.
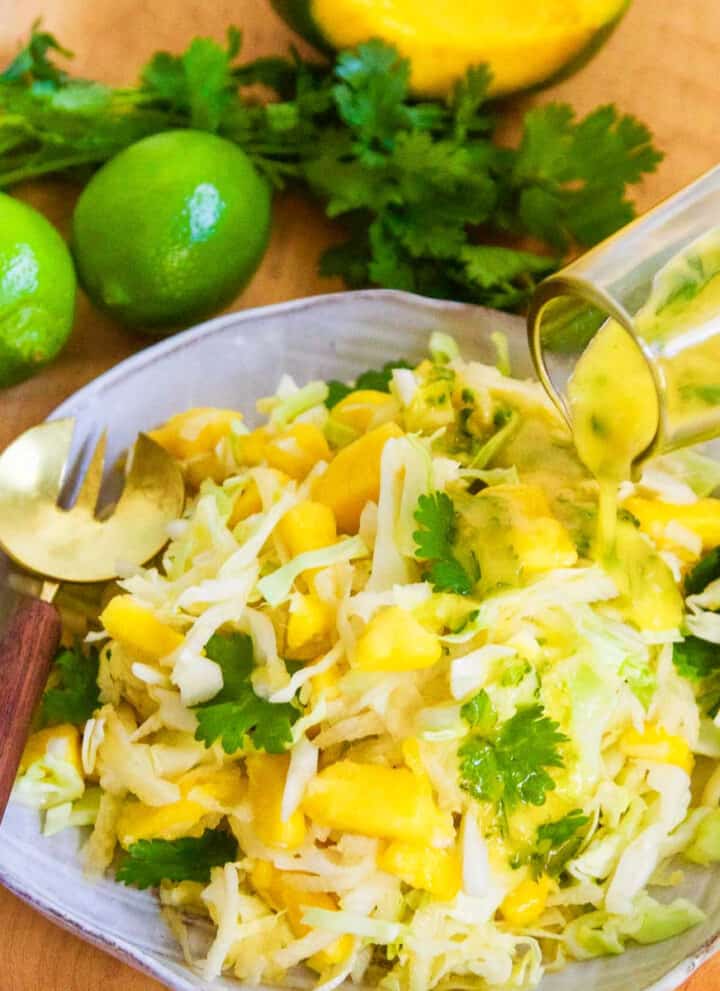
247 503
655 744
309 624
202 789
61 741
266 783
352 478
138 629
523 42
294 450
364 408
196 431
374 800
278 890
307 527
424 867
540 541
702 517
526 903
395 641
138 821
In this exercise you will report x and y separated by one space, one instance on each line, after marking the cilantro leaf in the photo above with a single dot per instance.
705 571
571 175
148 862
479 713
199 82
695 658
437 519
555 844
336 392
419 183
507 277
33 61
377 379
450 576
76 695
509 767
236 714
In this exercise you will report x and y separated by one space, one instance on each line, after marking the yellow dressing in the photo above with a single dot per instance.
614 412
614 406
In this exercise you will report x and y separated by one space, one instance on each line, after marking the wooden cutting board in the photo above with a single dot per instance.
663 64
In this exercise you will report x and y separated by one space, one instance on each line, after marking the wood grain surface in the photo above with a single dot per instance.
662 64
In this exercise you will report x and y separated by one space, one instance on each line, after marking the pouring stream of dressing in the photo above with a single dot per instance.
612 398
614 413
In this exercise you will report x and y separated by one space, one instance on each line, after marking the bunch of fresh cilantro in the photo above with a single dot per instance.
426 191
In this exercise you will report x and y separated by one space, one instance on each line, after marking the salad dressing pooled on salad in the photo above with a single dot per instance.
380 710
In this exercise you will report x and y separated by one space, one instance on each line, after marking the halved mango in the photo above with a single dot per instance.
523 42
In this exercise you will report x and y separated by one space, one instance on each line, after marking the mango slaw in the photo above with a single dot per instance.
379 658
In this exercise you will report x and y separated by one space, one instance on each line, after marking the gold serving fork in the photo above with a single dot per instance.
79 545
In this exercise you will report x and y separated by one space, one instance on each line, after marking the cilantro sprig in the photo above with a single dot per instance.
555 844
479 713
75 695
437 521
699 661
508 766
237 714
148 862
415 181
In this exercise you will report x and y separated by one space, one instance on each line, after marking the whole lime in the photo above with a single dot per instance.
37 291
171 229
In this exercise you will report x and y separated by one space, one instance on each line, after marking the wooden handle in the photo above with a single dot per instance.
27 648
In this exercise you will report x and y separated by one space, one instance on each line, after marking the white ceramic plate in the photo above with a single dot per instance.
232 361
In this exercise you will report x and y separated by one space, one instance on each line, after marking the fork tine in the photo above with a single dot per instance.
87 496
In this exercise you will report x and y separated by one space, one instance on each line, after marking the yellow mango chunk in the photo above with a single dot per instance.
702 517
250 448
138 821
326 683
297 449
540 541
395 641
364 408
266 783
424 867
307 527
206 796
352 478
374 800
226 786
278 890
247 503
294 450
63 742
310 622
655 744
527 902
138 629
196 431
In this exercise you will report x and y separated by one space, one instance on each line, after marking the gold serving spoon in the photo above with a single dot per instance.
66 545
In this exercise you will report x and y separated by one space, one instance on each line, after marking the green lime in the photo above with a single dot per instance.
171 229
37 291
